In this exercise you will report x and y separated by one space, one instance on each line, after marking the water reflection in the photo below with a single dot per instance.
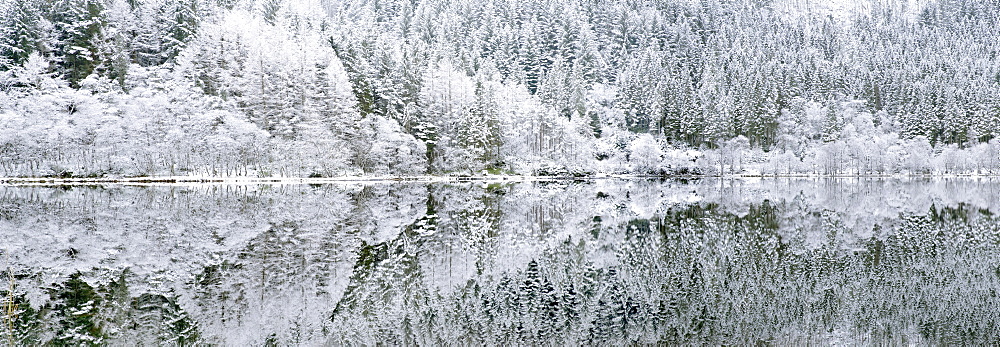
601 262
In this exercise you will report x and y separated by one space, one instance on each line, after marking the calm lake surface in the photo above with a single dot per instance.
605 262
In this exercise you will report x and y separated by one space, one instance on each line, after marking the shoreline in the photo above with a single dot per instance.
187 180
167 180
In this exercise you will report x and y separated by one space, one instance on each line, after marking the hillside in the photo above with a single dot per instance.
280 88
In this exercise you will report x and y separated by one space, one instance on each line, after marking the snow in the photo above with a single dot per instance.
331 172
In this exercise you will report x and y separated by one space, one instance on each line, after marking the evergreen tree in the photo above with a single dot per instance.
21 32
78 25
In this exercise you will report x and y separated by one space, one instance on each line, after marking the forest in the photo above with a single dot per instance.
325 88
800 261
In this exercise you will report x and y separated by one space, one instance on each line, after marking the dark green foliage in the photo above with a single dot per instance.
20 34
77 24
271 8
75 302
78 313
25 321
181 20
81 37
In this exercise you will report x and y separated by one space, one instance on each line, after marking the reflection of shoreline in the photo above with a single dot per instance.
189 180
246 261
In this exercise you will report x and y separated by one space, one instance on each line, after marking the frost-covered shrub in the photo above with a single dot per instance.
395 152
645 154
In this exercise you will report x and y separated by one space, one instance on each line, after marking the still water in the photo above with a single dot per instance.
781 261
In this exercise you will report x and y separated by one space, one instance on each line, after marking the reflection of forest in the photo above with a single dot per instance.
601 262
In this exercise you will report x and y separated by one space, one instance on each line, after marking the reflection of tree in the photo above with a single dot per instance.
74 307
78 313
710 276
603 263
21 324
385 278
478 222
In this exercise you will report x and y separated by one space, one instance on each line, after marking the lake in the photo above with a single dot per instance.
599 262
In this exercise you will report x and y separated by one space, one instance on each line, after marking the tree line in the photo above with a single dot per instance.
322 87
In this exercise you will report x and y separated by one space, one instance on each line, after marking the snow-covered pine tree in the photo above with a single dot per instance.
21 32
77 24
